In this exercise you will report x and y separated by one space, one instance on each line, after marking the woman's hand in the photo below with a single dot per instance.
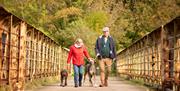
69 68
91 60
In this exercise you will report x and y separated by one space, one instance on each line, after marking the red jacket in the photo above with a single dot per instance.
77 55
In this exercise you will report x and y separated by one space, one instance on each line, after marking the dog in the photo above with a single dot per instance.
64 76
90 70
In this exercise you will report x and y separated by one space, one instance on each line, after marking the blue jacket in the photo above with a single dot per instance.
112 46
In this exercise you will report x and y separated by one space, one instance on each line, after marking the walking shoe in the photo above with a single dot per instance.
65 84
106 83
80 84
101 85
76 86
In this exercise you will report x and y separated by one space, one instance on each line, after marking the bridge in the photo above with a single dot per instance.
30 56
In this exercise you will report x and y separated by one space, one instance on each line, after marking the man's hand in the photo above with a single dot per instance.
114 60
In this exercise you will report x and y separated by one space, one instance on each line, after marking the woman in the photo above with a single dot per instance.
76 54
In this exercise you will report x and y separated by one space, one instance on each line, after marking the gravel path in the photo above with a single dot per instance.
114 85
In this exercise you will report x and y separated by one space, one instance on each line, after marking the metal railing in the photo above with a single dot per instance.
155 58
26 53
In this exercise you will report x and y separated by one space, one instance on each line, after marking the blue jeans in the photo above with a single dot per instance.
78 74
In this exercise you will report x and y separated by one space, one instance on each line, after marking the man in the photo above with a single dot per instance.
106 53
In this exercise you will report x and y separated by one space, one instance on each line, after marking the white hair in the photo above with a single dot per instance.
79 40
106 29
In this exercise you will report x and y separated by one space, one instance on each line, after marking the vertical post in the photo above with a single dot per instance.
159 57
2 51
49 57
153 56
62 58
27 63
22 57
43 55
165 58
171 47
129 63
9 51
33 55
46 56
54 59
39 54
176 73
51 61
59 59
144 60
48 53
140 61
148 59
162 55
38 57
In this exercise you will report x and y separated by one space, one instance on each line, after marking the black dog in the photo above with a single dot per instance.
91 71
64 75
